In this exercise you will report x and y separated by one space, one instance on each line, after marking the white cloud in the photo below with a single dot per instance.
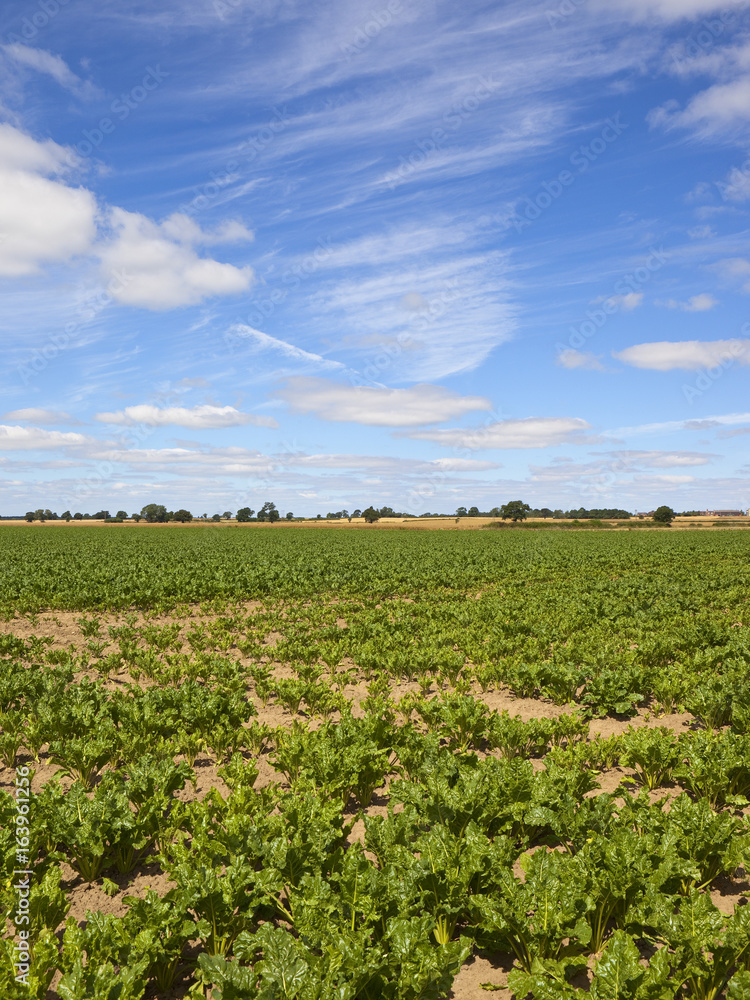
664 10
41 219
662 459
627 302
159 273
696 303
265 342
707 423
720 107
39 416
667 480
51 65
735 269
378 407
388 465
196 417
445 308
686 355
226 461
737 185
182 229
571 358
14 438
531 432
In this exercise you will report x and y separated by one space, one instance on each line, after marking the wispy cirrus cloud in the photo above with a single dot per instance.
265 342
668 426
665 10
51 65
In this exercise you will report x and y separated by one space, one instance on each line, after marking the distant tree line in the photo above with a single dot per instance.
515 510
522 510
155 513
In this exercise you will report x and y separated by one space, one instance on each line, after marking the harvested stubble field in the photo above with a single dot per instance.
377 764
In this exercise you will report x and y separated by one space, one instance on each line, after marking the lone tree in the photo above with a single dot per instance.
244 514
515 510
268 512
664 515
182 515
154 513
371 515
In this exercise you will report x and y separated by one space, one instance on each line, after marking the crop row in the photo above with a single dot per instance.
657 575
479 848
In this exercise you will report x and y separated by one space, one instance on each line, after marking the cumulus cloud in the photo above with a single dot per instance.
378 407
737 185
696 303
14 438
51 65
735 269
39 416
571 358
42 219
627 302
182 229
686 355
531 432
722 106
197 417
156 266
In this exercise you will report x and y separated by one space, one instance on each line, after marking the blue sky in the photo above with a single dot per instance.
423 254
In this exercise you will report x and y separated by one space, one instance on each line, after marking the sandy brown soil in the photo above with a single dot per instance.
65 631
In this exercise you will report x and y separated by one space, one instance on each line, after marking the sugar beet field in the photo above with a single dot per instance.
374 765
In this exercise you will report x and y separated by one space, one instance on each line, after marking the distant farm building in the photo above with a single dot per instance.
725 513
